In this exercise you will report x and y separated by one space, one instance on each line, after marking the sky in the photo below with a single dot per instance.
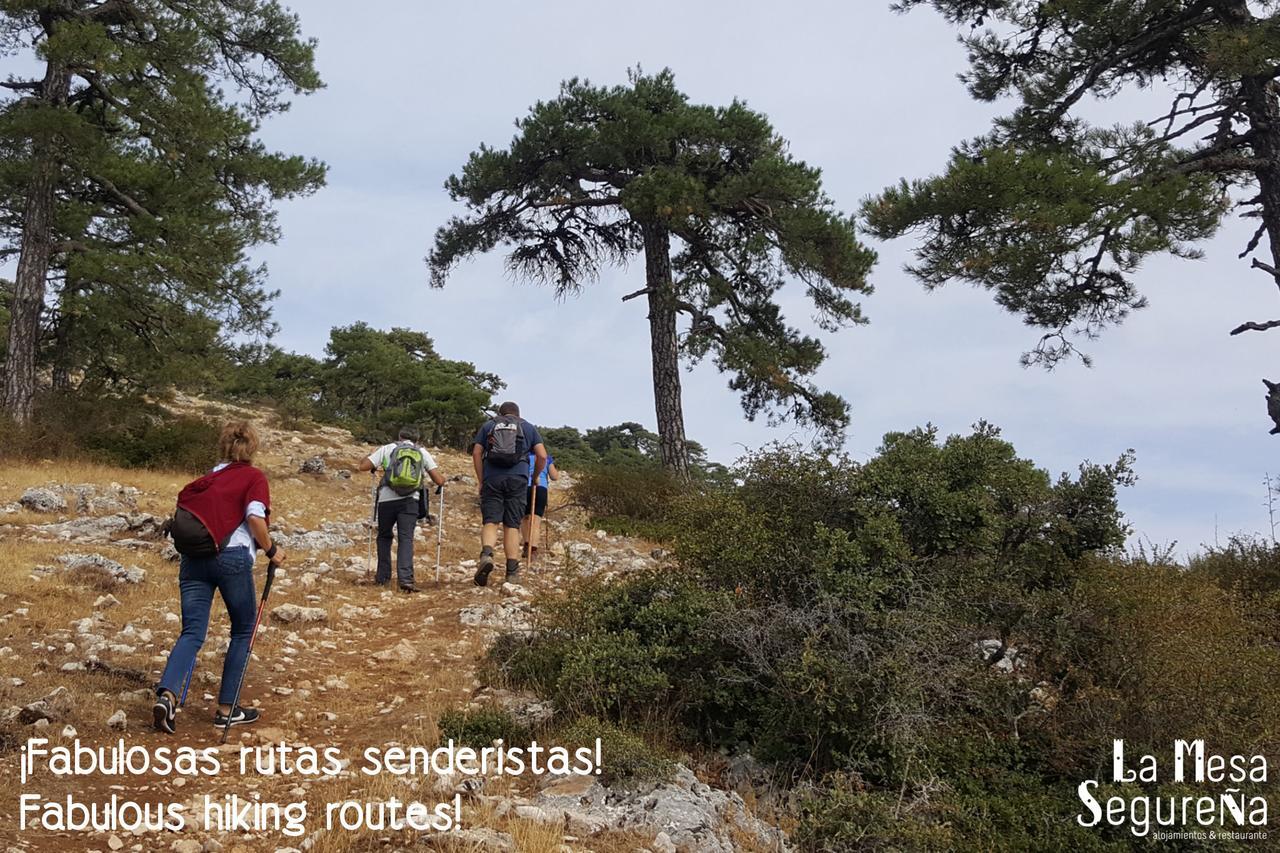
864 93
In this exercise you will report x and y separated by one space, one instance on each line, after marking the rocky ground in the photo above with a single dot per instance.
88 612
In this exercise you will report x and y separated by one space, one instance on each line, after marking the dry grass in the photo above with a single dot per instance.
383 701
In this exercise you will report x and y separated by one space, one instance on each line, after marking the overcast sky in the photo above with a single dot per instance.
865 94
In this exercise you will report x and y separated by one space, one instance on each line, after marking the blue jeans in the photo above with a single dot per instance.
231 574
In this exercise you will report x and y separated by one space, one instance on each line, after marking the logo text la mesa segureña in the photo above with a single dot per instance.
1227 808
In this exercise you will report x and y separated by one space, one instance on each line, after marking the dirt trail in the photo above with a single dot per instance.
379 668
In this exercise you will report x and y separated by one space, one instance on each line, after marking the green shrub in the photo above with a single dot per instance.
829 615
629 500
118 430
624 755
844 814
637 650
480 727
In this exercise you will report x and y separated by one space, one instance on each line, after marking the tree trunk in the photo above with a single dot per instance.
665 351
62 356
33 260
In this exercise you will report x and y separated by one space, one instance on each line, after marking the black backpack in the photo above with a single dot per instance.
191 538
506 442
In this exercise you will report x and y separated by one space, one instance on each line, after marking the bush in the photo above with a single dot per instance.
625 756
116 430
629 500
637 650
480 727
837 619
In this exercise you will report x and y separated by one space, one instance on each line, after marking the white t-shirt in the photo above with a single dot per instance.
382 456
242 537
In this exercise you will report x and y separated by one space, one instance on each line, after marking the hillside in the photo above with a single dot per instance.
89 600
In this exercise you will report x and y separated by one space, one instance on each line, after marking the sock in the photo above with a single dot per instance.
513 566
486 551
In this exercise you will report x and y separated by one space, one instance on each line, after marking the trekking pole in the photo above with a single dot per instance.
373 522
439 530
533 496
235 703
186 684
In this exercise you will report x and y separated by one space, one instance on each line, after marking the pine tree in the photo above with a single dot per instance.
1055 215
599 174
131 183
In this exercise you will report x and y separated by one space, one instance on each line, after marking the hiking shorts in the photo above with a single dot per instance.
504 501
540 503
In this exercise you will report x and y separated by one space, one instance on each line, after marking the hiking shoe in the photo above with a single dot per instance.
408 587
164 713
482 573
239 717
513 578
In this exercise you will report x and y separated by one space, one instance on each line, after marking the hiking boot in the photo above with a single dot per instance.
482 573
164 714
239 717
513 578
408 587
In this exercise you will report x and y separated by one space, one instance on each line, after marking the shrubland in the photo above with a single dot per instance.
929 650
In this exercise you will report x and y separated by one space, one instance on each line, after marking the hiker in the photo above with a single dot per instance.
533 520
227 508
501 451
405 465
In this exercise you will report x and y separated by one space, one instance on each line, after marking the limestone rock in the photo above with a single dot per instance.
473 838
402 651
296 613
692 815
315 540
39 499
88 564
509 616
52 708
102 528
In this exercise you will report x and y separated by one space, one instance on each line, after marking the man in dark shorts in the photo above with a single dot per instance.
502 467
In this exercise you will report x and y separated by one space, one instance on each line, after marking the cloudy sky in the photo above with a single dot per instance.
867 95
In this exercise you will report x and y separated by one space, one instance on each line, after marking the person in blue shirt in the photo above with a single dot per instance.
504 488
532 521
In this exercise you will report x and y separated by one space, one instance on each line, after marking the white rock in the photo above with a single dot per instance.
402 651
295 613
39 499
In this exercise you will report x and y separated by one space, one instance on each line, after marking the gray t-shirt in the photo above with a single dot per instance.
382 456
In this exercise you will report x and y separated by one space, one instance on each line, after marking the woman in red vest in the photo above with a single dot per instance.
232 502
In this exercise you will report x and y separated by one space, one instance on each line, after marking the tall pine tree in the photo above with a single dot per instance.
131 183
1055 215
599 174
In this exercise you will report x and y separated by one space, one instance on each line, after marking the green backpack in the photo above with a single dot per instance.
404 470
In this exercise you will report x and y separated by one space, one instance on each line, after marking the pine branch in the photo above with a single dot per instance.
596 201
1255 327
124 198
1254 241
1200 13
1208 162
